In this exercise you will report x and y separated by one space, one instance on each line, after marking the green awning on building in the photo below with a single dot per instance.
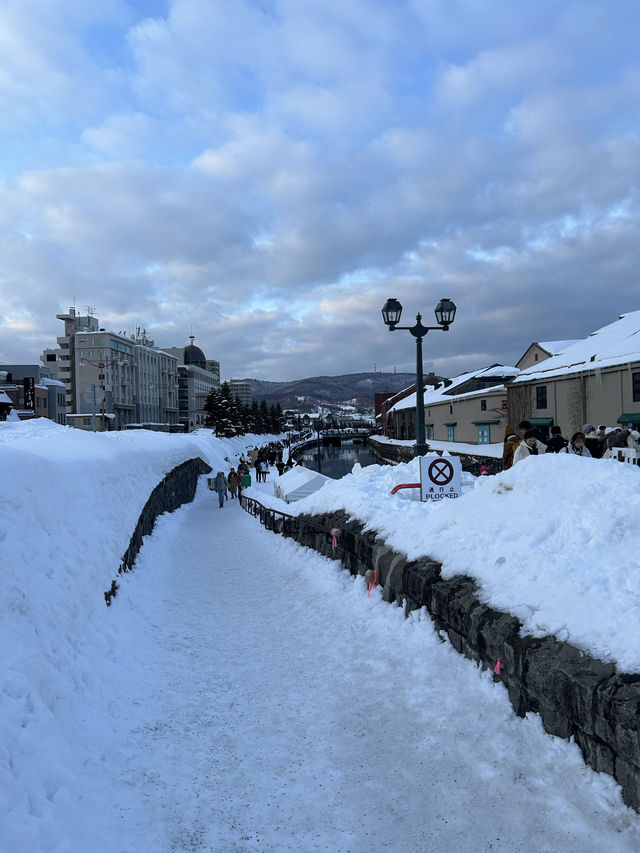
629 418
451 423
486 423
541 421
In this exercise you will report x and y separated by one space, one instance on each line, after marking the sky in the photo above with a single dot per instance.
263 174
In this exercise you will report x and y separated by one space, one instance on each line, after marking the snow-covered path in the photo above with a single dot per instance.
273 706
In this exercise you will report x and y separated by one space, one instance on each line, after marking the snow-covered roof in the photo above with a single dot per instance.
617 343
447 393
556 347
46 381
5 398
299 483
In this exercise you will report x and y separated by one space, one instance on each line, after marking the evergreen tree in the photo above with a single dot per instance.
265 425
246 418
255 417
213 408
273 420
222 411
279 419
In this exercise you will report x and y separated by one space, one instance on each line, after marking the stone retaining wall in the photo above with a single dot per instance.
576 695
177 487
402 453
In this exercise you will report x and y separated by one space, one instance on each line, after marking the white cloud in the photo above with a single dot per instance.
270 171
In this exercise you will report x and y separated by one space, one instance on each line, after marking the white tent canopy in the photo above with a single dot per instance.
298 483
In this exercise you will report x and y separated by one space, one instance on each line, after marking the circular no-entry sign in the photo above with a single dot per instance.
440 472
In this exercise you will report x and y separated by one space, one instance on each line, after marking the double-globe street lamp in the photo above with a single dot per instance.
445 312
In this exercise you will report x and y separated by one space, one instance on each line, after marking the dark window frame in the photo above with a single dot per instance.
541 397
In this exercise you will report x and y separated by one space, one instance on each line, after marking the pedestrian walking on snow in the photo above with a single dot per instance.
232 479
220 485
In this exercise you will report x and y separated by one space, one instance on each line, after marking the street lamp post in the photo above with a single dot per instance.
318 428
93 408
445 312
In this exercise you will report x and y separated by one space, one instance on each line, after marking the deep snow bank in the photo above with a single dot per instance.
69 501
554 540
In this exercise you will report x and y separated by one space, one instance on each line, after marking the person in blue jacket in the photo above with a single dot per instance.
220 485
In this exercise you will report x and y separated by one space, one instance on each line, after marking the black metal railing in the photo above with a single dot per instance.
295 527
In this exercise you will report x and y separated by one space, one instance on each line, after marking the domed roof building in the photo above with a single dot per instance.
196 377
194 355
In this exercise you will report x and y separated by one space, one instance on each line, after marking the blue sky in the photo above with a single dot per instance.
264 174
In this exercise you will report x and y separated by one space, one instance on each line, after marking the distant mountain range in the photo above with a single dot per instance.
355 388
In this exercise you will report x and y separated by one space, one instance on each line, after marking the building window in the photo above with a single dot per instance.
636 387
483 405
429 430
87 421
484 435
451 433
541 397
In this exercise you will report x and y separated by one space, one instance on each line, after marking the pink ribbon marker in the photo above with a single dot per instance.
498 667
373 583
334 543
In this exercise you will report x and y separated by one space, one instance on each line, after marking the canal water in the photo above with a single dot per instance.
335 462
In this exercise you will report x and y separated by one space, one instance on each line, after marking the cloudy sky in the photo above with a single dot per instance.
262 174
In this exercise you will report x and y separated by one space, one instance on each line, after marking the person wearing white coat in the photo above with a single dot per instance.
577 445
529 446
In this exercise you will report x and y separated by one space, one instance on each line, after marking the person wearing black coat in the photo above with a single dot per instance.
556 444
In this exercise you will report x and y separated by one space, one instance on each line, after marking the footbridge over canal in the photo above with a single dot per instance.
334 437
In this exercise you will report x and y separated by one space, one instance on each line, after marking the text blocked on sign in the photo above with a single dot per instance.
440 477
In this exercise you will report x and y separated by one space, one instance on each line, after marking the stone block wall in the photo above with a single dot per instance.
391 453
178 487
576 695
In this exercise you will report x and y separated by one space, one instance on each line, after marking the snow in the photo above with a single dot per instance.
245 694
298 483
447 392
556 347
554 540
495 450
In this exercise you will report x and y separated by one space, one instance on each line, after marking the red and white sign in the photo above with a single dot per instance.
440 477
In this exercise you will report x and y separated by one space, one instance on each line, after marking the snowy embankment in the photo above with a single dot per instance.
69 502
554 541
493 450
126 725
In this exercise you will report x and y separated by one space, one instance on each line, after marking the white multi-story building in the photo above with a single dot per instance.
61 361
241 389
156 383
123 379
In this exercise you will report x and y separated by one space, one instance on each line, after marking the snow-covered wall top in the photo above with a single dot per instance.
554 540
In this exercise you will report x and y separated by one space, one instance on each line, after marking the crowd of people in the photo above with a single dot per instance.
229 486
596 442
